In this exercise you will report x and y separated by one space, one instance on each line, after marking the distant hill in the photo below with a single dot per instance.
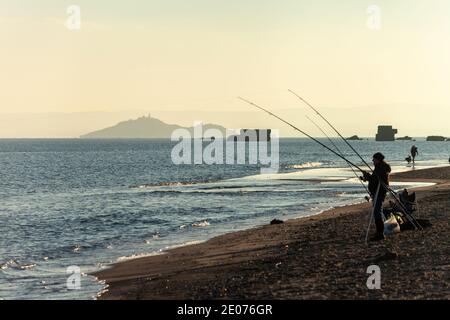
143 128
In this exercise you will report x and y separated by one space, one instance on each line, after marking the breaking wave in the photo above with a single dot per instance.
157 252
13 264
201 224
305 165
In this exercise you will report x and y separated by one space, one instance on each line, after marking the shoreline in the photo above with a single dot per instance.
219 268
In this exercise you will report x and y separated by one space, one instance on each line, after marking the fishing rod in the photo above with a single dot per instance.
364 186
302 132
332 127
370 218
328 148
338 150
391 191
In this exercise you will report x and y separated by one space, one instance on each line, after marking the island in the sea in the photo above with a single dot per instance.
145 127
405 138
354 138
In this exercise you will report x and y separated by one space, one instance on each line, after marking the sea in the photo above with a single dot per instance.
72 207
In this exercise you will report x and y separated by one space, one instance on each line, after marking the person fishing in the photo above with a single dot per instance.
378 183
382 169
414 153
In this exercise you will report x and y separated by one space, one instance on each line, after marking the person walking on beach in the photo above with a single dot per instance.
378 183
414 153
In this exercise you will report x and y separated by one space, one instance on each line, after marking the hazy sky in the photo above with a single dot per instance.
181 57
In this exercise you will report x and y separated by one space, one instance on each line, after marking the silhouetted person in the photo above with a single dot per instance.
378 183
414 154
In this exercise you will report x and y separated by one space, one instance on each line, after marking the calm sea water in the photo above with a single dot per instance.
89 203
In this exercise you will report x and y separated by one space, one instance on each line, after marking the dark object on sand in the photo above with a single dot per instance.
409 203
389 255
377 237
276 221
407 225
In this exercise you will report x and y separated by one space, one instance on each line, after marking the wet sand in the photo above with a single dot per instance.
320 257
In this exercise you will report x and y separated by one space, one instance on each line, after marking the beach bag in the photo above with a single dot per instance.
391 226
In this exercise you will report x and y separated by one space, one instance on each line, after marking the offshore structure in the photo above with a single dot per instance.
386 133
252 134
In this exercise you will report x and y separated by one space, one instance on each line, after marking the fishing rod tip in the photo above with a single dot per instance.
243 99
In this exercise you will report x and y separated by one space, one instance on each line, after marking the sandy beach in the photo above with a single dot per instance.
319 257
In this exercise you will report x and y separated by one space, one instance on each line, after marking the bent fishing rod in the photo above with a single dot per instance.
337 152
302 132
412 219
332 127
391 191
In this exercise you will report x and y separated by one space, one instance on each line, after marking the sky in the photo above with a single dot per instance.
188 60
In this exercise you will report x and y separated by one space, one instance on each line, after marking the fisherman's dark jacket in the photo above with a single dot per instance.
381 172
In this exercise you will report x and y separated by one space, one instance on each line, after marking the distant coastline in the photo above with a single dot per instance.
142 128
